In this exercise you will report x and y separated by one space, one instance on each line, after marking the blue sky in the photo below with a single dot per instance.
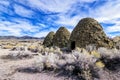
38 17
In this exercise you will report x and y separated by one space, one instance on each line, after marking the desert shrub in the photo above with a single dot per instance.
111 58
36 66
72 64
95 54
117 45
84 64
57 50
20 48
33 48
90 47
48 50
48 61
40 48
110 53
17 55
7 47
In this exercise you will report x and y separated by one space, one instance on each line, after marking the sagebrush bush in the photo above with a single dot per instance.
85 65
33 48
111 53
68 63
17 55
7 47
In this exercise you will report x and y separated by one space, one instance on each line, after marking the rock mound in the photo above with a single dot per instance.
48 41
89 31
61 37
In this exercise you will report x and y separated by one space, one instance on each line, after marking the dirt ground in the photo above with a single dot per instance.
8 69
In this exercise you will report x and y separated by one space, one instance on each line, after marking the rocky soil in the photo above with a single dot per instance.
9 69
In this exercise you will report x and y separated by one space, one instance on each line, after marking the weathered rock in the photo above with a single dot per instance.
117 41
48 41
61 37
89 31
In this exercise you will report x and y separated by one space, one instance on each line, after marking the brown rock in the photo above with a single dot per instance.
116 39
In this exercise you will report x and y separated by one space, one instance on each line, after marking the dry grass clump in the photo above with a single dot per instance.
46 50
18 47
7 47
10 44
100 64
13 46
36 48
21 48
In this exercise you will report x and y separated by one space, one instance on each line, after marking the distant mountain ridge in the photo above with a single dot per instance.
22 37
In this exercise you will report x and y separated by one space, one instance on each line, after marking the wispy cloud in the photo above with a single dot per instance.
4 2
38 17
22 27
22 11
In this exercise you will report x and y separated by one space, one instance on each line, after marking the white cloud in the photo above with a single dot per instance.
17 29
67 21
4 2
10 30
115 28
41 34
106 13
20 10
53 5
109 13
45 32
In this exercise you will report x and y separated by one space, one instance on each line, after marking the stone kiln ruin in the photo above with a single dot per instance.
61 37
48 41
89 31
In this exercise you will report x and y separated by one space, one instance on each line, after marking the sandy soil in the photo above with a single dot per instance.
8 70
